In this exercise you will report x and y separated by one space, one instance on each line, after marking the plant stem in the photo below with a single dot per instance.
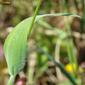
57 58
11 80
35 14
30 72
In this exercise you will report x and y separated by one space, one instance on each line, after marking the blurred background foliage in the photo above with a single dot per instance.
51 35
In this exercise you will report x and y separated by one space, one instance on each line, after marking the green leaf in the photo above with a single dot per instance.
61 34
15 46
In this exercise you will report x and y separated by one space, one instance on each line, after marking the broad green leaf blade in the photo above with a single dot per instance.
16 43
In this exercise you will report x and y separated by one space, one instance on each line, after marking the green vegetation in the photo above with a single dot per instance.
46 48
